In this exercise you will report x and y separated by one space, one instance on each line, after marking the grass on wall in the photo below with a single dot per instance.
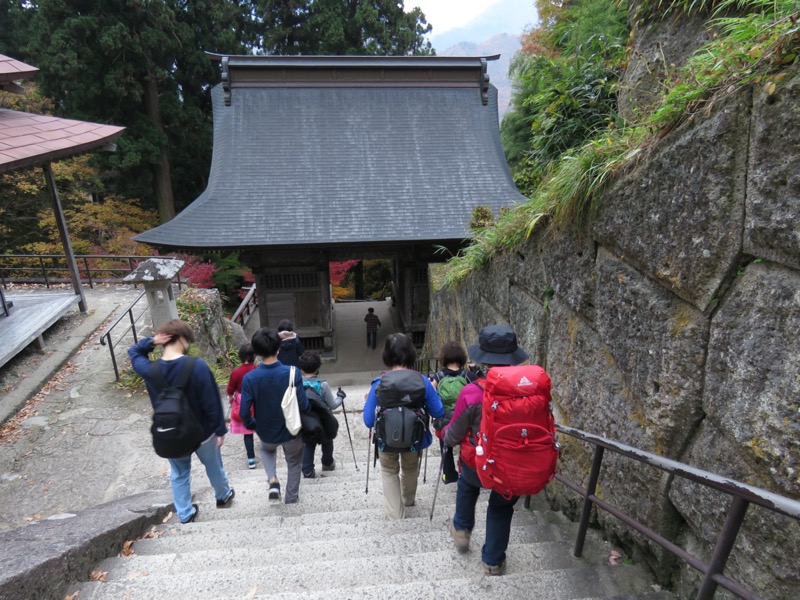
750 49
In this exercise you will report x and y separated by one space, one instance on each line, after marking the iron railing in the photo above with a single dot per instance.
107 340
742 496
52 268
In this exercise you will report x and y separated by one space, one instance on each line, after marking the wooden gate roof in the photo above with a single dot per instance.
319 151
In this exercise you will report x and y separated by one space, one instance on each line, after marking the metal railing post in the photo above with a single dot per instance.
725 542
591 487
88 272
133 325
44 273
113 358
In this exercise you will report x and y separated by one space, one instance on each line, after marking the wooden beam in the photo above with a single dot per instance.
61 222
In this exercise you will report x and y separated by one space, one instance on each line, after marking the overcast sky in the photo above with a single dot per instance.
474 18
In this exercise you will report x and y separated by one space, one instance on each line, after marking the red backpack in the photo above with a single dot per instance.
517 449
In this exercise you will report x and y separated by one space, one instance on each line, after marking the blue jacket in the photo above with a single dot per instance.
433 404
202 390
263 388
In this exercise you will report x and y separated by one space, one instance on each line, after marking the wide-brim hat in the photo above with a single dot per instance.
497 345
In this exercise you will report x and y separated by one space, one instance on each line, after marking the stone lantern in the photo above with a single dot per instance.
156 275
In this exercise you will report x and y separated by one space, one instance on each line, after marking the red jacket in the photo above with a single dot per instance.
466 422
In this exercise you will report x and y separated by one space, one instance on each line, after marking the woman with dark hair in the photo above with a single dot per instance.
291 346
400 388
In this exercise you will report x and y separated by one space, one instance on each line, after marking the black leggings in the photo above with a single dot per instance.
248 445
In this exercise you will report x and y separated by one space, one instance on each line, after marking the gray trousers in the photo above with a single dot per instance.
293 452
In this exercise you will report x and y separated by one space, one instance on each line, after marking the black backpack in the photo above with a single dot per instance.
401 419
176 430
328 424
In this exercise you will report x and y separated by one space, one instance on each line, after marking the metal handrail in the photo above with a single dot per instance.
743 495
85 272
106 339
247 307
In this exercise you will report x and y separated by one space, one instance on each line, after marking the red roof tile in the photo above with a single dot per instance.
27 139
12 70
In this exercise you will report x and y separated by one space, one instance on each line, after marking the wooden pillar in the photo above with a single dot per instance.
61 222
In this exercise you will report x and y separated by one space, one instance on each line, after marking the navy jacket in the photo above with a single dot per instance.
202 390
263 388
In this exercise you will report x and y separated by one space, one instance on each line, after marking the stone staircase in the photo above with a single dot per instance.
336 543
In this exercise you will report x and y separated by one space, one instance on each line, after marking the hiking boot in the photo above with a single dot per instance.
226 502
194 515
311 474
251 463
330 467
275 491
460 538
494 570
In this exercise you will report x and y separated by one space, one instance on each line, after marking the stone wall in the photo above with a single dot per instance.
671 322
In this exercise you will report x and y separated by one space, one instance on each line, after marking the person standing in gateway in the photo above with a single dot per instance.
373 322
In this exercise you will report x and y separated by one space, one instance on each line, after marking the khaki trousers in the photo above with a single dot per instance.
399 472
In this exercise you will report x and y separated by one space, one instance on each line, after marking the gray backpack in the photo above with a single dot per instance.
401 419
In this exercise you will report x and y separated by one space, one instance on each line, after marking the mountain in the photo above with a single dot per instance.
511 16
504 44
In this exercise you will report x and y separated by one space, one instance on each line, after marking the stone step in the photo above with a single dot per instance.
528 555
316 539
212 576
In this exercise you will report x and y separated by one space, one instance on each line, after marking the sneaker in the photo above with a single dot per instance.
194 515
275 491
330 467
226 502
460 538
251 463
494 570
310 475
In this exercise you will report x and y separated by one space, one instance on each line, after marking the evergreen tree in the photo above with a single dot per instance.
367 27
141 65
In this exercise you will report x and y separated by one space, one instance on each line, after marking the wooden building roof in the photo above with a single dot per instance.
327 152
27 139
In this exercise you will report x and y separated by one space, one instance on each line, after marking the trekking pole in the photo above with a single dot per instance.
369 443
438 479
342 395
425 473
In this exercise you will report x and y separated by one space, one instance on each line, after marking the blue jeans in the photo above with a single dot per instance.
181 477
308 455
498 515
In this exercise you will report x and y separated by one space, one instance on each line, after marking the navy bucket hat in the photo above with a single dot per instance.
497 345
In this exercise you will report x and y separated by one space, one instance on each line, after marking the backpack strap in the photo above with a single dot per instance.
183 378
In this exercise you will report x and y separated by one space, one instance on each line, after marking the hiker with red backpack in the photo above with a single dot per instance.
504 424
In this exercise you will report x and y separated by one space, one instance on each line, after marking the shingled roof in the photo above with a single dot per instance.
319 151
27 139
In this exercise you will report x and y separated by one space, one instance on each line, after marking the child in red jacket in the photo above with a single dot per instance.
247 356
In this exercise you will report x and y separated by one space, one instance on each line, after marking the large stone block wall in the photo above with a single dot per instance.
671 322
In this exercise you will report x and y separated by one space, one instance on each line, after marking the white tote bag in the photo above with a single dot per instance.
291 411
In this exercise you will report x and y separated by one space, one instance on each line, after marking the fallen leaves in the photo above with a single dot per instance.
98 575
127 549
614 557
252 593
72 596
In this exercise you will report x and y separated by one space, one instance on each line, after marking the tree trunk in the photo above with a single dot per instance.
162 182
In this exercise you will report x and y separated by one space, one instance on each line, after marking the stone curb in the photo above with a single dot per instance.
35 381
40 560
